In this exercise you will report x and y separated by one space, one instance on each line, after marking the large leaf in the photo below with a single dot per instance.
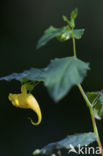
74 140
32 74
96 98
62 34
59 76
62 74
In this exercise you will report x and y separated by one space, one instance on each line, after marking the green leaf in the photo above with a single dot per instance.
101 101
62 74
74 14
49 34
59 76
73 17
96 99
33 74
65 19
62 34
74 140
67 34
78 33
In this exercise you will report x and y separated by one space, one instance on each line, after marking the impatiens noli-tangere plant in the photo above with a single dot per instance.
59 77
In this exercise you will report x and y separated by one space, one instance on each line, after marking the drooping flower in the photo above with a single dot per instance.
27 101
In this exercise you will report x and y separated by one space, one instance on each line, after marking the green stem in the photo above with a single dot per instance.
96 130
84 96
88 104
92 117
74 45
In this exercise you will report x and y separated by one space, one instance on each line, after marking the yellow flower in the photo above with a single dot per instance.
27 101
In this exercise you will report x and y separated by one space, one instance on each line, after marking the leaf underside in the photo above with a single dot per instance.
59 76
74 140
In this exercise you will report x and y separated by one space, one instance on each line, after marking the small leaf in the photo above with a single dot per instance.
73 17
74 14
78 33
62 34
96 99
74 140
59 76
49 34
65 19
101 101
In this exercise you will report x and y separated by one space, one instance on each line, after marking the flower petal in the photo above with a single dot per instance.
33 104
